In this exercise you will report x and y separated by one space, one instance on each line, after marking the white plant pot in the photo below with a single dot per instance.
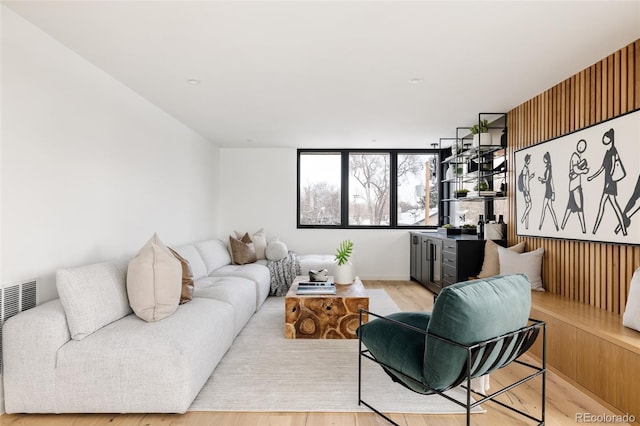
483 139
344 274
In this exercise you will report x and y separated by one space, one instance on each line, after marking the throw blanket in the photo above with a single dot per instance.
283 272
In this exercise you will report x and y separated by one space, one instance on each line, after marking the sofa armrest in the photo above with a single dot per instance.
30 343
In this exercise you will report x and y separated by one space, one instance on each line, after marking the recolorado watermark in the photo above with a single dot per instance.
604 418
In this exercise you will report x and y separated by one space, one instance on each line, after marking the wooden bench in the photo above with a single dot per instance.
592 349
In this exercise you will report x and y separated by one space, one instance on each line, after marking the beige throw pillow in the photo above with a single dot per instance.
259 240
242 250
154 281
187 278
529 263
491 264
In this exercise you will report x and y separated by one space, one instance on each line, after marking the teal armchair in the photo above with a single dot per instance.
476 327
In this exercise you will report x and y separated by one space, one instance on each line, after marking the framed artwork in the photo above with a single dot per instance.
584 185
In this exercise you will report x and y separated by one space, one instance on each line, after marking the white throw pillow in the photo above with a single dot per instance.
154 281
631 317
276 250
260 244
529 263
491 263
92 296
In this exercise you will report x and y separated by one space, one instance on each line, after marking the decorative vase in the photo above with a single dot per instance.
449 173
344 273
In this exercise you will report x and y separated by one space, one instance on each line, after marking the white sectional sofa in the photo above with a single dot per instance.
87 351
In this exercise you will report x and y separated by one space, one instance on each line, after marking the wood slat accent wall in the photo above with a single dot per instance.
592 273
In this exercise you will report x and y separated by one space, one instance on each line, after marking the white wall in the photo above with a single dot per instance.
89 169
259 191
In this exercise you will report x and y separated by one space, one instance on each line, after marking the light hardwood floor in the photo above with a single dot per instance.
563 400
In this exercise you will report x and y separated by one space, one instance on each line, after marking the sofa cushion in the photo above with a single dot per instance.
316 262
259 274
491 262
92 296
214 253
154 281
240 293
136 366
242 250
190 254
186 293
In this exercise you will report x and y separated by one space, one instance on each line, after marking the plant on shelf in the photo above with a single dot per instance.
482 128
469 228
481 186
481 134
344 268
460 193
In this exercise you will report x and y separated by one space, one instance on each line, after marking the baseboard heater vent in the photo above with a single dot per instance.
13 300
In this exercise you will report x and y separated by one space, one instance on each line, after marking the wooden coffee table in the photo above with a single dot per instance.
319 316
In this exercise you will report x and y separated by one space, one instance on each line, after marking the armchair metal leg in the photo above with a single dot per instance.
360 401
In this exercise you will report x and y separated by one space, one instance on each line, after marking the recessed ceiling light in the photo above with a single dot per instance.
193 81
416 80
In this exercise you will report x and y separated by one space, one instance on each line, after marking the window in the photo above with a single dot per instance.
418 185
369 184
319 197
368 188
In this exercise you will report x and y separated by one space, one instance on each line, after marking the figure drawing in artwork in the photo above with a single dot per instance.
549 193
631 208
577 168
613 173
523 186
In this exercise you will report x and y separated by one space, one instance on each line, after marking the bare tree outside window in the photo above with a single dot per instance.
417 192
365 200
369 183
320 189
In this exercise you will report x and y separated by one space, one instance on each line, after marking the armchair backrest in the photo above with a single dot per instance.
470 312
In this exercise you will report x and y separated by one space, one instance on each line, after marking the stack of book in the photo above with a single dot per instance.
316 287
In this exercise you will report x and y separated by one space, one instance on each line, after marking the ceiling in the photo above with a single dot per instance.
328 74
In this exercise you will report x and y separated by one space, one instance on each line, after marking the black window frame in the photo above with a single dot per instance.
393 190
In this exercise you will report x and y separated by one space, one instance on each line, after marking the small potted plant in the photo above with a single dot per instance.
460 193
483 185
469 228
481 135
344 268
448 229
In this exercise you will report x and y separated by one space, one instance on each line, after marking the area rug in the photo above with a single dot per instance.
263 371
